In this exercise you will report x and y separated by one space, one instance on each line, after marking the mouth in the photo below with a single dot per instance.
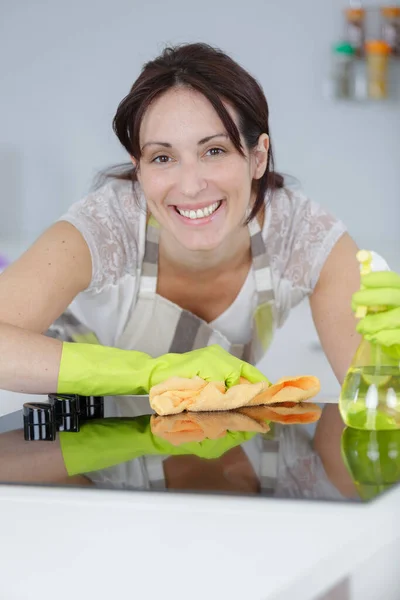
197 215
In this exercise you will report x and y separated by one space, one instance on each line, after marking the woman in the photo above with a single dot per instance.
185 263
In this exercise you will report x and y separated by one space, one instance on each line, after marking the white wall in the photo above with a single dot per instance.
64 66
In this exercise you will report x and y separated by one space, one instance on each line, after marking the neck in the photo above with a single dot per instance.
231 254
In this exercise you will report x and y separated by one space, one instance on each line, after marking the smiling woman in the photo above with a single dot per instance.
183 262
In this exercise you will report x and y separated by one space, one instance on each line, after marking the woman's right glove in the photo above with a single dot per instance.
94 370
380 289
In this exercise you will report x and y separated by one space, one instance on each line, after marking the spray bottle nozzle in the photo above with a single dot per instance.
364 257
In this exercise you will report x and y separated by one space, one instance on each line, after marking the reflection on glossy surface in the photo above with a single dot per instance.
266 450
372 459
62 412
196 427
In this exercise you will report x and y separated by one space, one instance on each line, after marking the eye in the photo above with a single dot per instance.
162 158
215 151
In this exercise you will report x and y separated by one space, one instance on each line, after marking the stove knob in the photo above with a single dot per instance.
66 411
39 422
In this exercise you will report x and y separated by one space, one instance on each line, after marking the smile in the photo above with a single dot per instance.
200 213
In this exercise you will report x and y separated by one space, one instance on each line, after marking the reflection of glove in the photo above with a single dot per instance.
381 289
92 370
108 442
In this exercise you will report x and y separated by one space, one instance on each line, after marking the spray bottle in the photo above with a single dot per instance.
370 395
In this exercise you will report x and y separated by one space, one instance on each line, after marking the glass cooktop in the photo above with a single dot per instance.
298 451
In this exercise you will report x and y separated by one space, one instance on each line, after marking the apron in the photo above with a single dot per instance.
157 326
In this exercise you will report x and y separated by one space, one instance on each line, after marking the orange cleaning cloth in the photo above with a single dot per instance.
196 427
288 389
179 394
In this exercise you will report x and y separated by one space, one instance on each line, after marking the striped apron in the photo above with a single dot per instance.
157 326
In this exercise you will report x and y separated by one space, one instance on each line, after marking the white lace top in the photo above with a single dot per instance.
298 233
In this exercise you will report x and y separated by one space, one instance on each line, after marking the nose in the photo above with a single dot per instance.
192 180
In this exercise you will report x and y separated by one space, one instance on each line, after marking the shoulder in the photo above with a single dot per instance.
290 206
299 235
116 200
111 220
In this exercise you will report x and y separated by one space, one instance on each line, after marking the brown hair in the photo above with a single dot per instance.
219 78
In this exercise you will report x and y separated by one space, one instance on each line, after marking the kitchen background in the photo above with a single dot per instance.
64 67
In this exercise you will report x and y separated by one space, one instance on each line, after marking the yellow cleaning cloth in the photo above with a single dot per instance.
288 389
178 394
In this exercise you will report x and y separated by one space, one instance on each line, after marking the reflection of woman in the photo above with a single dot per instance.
234 452
197 244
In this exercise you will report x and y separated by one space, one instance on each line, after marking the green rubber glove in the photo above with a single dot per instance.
382 289
94 370
108 442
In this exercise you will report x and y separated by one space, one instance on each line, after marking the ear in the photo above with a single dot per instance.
136 166
260 156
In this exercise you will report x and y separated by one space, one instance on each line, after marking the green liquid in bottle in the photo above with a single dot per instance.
370 398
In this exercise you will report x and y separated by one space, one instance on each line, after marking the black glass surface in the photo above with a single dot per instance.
301 451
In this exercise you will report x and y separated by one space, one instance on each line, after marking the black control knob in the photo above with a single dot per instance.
66 411
39 422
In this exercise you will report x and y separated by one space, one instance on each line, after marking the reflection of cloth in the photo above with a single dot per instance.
195 427
298 233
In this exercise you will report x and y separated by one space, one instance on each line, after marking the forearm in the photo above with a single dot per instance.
326 443
30 362
36 364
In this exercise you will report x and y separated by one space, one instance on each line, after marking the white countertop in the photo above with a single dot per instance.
146 545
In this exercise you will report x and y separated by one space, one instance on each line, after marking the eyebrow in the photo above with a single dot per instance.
199 143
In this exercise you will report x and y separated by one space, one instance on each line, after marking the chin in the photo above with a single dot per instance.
200 241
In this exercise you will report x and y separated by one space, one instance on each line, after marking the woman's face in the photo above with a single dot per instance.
197 185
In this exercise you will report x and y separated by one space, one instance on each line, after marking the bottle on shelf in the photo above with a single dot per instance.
370 395
342 76
355 28
391 28
377 53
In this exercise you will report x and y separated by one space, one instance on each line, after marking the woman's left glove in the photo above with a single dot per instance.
380 289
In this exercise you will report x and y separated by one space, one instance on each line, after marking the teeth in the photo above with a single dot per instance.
199 213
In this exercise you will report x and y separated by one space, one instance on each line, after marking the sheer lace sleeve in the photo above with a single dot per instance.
299 237
109 220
